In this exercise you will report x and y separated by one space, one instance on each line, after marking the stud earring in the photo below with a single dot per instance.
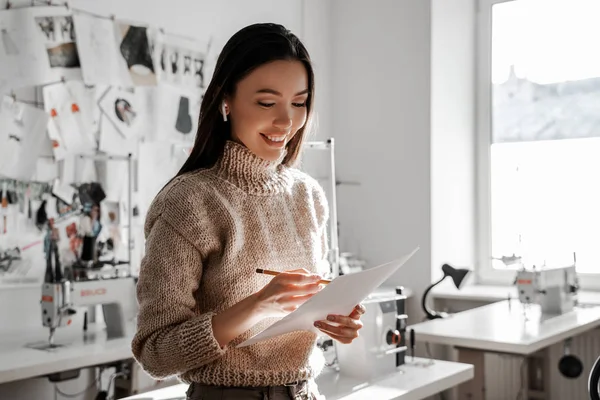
223 111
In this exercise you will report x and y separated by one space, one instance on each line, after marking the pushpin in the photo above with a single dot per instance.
74 107
53 113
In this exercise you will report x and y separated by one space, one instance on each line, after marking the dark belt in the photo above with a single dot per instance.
297 390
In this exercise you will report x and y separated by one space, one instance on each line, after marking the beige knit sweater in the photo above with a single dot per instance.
206 233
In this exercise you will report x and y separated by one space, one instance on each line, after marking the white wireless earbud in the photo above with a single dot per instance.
223 111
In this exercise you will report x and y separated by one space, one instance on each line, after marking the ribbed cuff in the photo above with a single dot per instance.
198 343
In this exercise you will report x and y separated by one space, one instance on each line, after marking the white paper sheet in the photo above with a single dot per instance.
70 129
339 297
22 128
99 53
37 46
129 110
176 116
181 62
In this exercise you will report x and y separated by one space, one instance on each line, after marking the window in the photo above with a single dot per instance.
539 136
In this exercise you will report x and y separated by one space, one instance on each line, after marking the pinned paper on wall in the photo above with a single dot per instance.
182 62
22 128
38 47
176 116
70 107
135 44
129 110
113 143
99 54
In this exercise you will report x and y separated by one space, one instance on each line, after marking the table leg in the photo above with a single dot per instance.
475 388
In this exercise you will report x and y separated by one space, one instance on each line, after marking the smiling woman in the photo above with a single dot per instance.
236 206
268 107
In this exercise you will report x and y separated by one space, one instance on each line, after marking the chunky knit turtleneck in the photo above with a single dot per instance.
206 233
251 173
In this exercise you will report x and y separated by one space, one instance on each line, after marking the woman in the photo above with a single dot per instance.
235 206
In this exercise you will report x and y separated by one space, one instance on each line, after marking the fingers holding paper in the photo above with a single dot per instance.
286 292
342 328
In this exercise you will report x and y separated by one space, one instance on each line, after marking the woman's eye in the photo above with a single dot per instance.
299 105
266 104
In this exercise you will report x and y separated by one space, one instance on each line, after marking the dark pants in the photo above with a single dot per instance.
300 391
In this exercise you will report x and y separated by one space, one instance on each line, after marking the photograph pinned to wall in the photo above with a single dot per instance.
176 119
135 43
129 110
70 107
182 62
99 54
21 133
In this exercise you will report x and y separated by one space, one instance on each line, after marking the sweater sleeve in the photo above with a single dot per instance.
171 338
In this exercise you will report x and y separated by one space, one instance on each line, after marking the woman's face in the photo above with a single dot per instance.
269 107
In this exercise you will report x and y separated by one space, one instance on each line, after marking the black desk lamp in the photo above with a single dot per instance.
457 274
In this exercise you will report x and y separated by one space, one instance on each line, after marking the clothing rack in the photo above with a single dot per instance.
334 251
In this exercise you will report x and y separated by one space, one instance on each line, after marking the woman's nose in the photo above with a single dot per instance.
283 120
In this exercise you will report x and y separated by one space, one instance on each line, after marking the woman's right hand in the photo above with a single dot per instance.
286 292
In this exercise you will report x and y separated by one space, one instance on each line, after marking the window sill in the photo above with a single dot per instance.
446 290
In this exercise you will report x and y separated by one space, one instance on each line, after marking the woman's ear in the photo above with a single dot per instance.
224 110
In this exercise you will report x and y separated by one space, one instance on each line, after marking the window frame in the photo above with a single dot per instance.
485 274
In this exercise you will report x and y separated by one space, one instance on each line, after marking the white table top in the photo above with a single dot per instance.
498 328
447 290
17 361
415 380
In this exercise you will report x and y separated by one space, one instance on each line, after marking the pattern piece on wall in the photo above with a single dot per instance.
22 128
37 47
70 107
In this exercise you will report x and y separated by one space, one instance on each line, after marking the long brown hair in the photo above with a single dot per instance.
248 49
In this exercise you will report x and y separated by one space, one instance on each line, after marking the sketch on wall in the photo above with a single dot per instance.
177 116
69 106
23 127
182 80
181 62
37 47
59 37
98 51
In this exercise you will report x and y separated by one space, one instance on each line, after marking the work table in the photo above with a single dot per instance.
502 327
18 362
415 380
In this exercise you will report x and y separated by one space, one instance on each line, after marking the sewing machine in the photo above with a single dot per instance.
116 295
554 289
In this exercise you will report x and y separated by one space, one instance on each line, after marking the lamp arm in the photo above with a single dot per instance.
430 313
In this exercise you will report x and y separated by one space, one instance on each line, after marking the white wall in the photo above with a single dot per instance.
452 134
197 19
381 69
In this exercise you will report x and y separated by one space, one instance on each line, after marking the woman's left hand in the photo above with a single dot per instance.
343 328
